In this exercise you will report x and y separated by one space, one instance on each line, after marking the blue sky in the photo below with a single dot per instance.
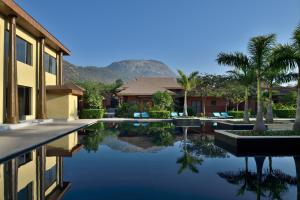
184 34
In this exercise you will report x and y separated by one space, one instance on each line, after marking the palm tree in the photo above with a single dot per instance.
243 72
275 76
260 48
188 83
290 57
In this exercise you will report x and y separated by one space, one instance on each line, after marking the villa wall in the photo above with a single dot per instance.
27 74
51 162
1 181
63 107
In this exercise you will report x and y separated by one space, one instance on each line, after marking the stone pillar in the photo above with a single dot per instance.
60 79
41 103
12 83
11 179
41 164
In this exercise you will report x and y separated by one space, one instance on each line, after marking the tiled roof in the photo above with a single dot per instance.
149 85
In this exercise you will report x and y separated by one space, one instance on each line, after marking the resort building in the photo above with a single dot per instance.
140 90
31 69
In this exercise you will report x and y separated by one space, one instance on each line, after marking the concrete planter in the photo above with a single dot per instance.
257 145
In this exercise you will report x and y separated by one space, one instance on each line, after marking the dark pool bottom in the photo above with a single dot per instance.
135 163
146 161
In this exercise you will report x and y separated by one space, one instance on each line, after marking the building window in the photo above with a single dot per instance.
24 51
196 106
213 102
25 158
50 176
49 63
24 94
26 193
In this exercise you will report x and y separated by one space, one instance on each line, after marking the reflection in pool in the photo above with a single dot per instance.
145 161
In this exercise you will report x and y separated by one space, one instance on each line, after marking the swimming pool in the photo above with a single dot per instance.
146 161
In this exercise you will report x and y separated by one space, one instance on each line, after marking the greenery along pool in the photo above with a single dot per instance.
157 161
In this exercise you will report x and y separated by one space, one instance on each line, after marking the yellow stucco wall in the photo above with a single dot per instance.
73 103
62 107
27 174
27 73
2 28
66 142
1 181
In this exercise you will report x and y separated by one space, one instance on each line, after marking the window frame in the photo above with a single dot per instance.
27 54
49 65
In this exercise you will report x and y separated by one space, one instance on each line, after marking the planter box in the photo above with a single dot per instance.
258 145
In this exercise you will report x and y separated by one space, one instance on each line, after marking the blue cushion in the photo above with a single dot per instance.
224 114
136 115
174 114
216 114
145 115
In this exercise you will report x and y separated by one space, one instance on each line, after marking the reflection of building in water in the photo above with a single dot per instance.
66 146
38 174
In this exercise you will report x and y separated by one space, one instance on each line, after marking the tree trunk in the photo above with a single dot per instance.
297 120
246 106
270 165
270 108
259 124
259 167
204 105
226 105
185 113
237 107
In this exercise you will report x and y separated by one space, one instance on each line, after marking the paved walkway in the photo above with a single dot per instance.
14 142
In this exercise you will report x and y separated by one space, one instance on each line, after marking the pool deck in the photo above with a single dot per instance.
14 142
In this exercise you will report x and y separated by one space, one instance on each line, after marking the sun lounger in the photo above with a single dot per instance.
145 115
136 115
180 114
217 115
174 114
225 115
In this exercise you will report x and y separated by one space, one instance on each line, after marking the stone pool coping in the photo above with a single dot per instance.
257 145
15 142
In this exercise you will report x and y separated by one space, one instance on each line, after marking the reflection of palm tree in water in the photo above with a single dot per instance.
270 184
188 161
297 165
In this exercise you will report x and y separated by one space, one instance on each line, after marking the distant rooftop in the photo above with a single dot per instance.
148 86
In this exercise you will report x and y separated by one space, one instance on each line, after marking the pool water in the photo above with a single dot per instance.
153 161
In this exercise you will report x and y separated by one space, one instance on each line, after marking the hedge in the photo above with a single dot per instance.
237 114
91 113
160 114
284 113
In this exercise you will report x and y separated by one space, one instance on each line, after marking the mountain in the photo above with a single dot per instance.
125 70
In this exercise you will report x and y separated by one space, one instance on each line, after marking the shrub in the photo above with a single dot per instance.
127 110
162 100
159 114
285 113
91 113
237 114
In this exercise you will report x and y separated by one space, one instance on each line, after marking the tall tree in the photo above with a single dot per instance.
243 72
260 48
188 83
290 56
275 76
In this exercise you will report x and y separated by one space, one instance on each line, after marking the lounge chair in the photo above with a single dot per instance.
145 115
174 114
226 115
180 114
136 115
217 115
